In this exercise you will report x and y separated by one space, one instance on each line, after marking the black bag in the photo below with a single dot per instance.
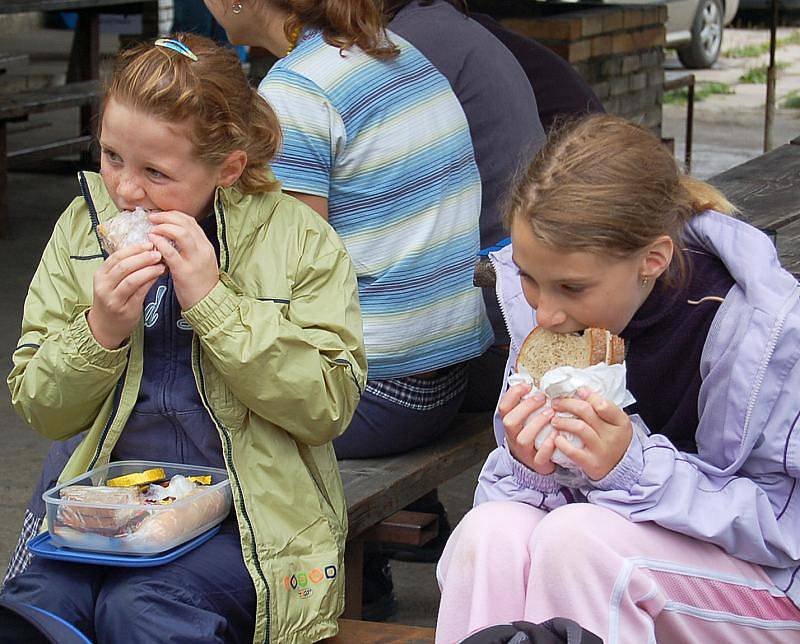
558 630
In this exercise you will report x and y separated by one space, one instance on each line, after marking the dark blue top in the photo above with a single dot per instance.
664 343
169 422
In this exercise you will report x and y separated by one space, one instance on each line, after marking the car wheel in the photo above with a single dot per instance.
703 50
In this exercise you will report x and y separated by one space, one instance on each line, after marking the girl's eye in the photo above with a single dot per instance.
572 289
156 174
112 156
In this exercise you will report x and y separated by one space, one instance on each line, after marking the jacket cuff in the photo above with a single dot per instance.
86 345
626 473
213 309
527 478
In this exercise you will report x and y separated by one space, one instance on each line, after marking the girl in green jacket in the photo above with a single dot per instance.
249 356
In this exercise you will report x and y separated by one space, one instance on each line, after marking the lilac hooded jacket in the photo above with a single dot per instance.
739 491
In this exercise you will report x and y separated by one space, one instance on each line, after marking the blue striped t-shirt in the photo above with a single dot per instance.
387 143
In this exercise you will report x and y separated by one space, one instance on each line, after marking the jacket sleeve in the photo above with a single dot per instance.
753 517
61 376
302 371
504 478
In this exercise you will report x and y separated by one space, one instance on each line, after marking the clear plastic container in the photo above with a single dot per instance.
136 528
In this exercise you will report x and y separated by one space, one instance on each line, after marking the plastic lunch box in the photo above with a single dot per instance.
151 529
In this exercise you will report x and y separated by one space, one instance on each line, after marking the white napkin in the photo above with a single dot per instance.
563 382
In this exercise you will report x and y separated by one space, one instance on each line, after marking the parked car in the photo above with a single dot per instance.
694 28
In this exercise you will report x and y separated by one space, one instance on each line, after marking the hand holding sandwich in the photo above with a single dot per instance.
605 430
120 286
521 428
187 253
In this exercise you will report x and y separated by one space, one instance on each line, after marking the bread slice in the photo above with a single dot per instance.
544 350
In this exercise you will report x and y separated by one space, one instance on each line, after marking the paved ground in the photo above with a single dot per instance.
728 129
727 132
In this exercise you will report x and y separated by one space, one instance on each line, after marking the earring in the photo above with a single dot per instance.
236 7
644 281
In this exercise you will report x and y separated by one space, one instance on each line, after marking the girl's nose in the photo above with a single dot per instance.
130 190
548 315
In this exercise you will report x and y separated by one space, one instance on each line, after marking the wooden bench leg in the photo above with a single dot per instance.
353 578
5 226
84 64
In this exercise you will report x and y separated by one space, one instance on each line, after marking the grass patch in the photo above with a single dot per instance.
701 92
792 100
758 75
751 51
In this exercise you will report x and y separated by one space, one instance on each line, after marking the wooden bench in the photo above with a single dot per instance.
11 60
767 191
378 489
19 106
356 632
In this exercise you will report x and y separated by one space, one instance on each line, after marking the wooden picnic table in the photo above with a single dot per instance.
11 60
377 488
83 74
85 54
767 192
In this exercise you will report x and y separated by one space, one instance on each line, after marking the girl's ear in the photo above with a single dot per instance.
232 168
657 258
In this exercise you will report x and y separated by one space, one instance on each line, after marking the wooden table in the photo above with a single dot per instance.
11 60
376 488
767 191
84 60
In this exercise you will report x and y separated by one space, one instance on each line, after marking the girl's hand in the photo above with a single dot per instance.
605 430
520 434
119 289
192 260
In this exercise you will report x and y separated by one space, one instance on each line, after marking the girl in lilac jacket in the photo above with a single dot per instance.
684 522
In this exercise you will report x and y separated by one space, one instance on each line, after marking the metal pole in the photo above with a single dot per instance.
769 116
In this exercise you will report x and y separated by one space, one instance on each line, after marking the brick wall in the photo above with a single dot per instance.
617 49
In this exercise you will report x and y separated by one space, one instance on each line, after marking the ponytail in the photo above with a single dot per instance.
343 23
705 196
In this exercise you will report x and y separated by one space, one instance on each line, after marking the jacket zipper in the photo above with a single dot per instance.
87 196
221 233
761 375
229 461
111 417
500 300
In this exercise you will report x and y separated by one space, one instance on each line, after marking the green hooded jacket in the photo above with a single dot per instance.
279 362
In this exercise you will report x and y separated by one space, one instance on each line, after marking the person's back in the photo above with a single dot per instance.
497 100
493 90
561 93
388 145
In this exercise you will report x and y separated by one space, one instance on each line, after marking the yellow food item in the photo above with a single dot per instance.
201 480
138 478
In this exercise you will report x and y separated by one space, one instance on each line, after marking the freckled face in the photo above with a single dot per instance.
151 163
572 291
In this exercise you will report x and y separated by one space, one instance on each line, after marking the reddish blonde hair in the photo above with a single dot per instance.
211 94
607 186
343 23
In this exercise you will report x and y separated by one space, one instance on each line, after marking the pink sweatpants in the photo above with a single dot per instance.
629 583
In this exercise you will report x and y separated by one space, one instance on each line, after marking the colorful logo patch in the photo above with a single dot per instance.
302 582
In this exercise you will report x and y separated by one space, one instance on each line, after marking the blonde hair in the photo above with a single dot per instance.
607 186
211 94
343 23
